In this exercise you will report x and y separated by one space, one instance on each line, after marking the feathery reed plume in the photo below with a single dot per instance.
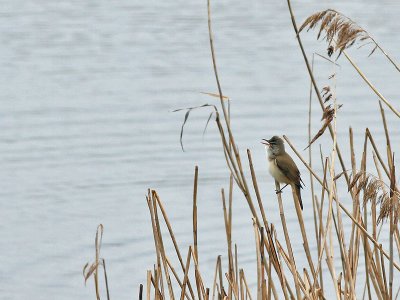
340 31
387 207
376 191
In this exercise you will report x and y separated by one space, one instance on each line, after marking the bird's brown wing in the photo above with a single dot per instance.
288 167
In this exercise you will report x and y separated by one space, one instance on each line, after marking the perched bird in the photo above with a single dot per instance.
282 167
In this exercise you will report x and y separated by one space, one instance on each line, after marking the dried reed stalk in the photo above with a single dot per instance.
196 176
373 88
288 243
340 204
314 83
93 269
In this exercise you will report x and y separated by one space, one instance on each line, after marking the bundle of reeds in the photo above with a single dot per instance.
374 201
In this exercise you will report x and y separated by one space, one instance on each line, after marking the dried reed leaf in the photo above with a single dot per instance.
215 95
327 115
188 110
325 90
183 125
327 59
373 50
208 121
327 98
338 176
87 272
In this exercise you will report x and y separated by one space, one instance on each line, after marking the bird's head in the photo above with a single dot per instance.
274 145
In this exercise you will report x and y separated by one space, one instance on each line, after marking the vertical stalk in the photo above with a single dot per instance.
288 244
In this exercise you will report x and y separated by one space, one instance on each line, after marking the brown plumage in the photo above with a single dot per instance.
282 167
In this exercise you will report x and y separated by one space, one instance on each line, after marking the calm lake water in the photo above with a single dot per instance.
87 91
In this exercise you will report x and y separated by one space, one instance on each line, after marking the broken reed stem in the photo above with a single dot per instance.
172 235
161 247
221 282
243 278
288 262
177 277
232 287
155 234
185 277
273 259
217 265
258 255
199 279
269 276
228 231
141 292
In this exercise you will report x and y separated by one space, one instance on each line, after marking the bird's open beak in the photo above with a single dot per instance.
265 142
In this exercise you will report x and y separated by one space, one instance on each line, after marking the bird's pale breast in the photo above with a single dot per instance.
276 172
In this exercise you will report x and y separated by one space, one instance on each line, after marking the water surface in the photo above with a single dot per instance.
87 90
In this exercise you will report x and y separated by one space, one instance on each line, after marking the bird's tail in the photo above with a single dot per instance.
297 188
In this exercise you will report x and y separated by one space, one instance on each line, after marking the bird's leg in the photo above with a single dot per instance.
280 191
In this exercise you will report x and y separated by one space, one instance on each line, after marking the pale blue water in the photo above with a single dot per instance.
87 90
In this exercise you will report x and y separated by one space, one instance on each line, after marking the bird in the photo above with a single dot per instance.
282 167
